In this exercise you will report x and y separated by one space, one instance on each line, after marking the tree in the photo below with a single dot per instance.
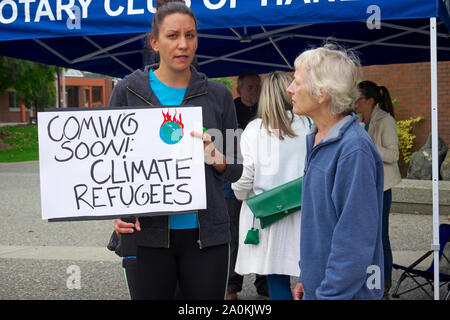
10 70
225 80
34 82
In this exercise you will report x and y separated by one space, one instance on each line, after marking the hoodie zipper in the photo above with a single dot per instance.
139 96
195 96
199 241
168 232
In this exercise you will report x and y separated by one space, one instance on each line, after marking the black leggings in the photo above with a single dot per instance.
199 273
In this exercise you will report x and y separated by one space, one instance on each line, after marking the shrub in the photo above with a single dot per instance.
406 136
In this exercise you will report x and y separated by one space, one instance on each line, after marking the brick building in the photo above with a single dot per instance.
82 89
85 89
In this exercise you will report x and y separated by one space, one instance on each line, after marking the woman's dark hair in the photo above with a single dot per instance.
168 7
379 94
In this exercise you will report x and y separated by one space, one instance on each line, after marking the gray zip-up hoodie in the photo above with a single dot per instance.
218 113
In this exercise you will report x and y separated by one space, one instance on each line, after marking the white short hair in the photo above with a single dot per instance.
335 70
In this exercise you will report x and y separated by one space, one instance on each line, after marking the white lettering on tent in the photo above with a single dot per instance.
85 5
219 5
27 8
131 9
13 9
288 2
264 3
110 12
44 9
150 7
65 7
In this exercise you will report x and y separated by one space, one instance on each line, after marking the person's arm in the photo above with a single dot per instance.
357 201
244 185
388 146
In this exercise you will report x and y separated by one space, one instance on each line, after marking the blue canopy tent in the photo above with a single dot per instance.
109 37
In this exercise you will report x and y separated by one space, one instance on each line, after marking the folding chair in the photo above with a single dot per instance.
427 275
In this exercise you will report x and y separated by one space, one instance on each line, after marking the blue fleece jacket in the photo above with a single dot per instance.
341 253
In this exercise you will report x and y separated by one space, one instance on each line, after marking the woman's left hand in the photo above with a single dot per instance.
212 155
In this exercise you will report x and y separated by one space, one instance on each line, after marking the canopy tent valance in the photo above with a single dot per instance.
108 37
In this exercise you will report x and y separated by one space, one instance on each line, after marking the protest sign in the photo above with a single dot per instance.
107 163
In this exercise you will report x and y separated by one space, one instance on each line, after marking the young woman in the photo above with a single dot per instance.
273 147
377 111
189 249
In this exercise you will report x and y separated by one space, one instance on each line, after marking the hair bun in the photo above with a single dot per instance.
160 3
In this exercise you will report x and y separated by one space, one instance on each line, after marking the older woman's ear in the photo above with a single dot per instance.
324 97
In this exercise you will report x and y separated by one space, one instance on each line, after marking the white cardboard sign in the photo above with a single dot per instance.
107 163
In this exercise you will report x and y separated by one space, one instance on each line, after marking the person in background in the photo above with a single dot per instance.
279 132
375 106
189 249
248 88
341 250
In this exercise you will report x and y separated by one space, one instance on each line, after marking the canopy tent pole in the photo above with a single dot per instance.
112 57
278 49
434 144
243 50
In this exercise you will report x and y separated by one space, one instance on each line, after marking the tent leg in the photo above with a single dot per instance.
434 143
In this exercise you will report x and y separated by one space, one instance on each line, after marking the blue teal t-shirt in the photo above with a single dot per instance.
173 97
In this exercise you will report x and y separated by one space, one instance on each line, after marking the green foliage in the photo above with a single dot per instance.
23 141
33 82
406 137
225 81
10 70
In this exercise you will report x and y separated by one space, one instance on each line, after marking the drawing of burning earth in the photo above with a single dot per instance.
171 131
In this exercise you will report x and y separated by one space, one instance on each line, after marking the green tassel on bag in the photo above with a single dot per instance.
252 236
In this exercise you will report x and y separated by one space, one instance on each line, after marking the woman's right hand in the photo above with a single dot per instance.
126 227
298 291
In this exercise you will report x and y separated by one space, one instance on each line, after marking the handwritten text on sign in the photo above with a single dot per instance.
114 162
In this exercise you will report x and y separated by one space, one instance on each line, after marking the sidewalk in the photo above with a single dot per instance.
5 124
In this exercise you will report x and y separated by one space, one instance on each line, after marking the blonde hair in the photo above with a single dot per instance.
275 105
335 70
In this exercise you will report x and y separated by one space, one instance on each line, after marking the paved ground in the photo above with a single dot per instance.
36 256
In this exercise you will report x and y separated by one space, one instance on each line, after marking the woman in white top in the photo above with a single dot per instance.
274 148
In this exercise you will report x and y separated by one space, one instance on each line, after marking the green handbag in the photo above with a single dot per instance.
277 203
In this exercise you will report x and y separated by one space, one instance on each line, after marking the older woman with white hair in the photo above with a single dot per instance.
341 252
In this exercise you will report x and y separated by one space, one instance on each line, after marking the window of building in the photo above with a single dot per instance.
14 101
97 96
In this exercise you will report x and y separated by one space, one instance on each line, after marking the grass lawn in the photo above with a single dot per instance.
23 141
